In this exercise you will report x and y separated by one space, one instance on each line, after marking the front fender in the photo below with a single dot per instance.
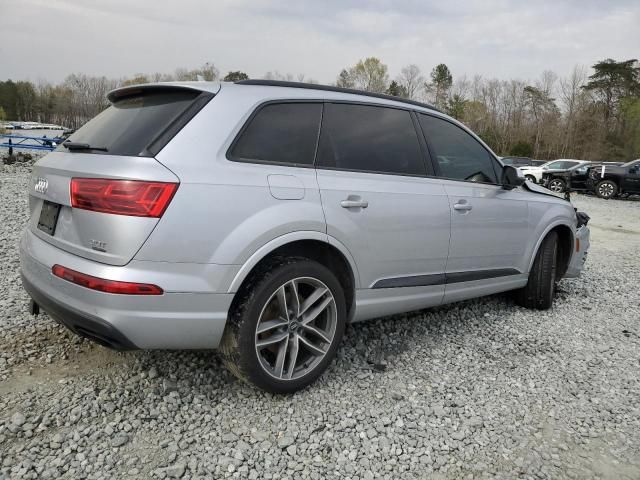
545 231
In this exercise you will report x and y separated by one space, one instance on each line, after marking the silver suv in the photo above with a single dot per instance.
261 217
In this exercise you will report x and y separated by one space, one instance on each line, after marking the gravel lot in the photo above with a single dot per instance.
482 389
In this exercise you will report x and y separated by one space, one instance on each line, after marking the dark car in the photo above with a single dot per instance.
518 161
608 180
574 177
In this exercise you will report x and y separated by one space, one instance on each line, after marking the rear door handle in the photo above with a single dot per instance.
462 207
354 204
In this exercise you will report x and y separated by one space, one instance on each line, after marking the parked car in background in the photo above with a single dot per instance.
575 177
517 161
609 180
260 217
534 173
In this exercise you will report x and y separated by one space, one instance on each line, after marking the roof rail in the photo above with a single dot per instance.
329 88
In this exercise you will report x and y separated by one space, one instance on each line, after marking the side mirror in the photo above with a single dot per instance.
511 177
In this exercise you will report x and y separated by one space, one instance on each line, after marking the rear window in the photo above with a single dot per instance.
131 124
280 133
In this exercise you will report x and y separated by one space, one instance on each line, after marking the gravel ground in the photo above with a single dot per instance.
482 389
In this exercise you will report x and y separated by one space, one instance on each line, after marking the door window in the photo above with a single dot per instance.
369 139
280 133
458 155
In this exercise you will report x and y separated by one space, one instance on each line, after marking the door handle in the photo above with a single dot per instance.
354 204
462 207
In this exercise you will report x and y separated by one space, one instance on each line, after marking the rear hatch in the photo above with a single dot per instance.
102 192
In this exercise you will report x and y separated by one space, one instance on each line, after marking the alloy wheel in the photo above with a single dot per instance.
556 186
296 328
605 190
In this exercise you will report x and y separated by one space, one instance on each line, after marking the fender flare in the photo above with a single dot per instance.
551 226
282 240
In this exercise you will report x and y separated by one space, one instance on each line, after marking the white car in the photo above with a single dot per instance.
534 173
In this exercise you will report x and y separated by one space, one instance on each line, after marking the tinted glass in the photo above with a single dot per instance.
281 133
458 154
129 125
369 139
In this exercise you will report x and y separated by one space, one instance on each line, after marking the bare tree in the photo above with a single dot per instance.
573 98
411 81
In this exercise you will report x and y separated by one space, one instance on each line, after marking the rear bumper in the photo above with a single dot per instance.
579 257
174 320
79 323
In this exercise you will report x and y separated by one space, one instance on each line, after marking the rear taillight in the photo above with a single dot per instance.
102 285
122 197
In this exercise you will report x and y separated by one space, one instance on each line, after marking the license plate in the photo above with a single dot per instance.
48 217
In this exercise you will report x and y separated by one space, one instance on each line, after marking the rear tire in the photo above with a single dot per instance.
269 340
606 189
540 288
531 178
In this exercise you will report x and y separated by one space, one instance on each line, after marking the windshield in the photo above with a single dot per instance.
507 161
632 162
129 125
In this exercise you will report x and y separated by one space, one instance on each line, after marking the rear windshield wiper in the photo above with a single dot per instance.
81 146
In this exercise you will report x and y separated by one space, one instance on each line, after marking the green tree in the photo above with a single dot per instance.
235 76
441 81
344 79
3 116
369 74
455 106
612 81
396 90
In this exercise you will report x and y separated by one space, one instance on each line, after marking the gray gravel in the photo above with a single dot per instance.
482 389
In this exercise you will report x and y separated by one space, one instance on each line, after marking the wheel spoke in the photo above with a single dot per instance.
311 299
313 349
282 354
295 297
293 354
317 332
271 325
282 301
272 340
313 313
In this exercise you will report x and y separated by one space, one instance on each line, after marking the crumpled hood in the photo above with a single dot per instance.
534 187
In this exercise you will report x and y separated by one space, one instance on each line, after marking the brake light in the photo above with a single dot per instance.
122 197
102 285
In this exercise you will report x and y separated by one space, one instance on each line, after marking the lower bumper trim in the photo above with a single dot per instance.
79 323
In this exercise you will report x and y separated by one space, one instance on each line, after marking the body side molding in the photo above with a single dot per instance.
443 278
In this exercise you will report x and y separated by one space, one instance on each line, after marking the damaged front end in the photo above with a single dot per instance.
582 239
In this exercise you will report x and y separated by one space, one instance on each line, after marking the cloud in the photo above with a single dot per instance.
494 38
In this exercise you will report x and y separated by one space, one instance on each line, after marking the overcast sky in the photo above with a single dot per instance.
49 39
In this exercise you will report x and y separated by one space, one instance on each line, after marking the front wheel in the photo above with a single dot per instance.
540 288
286 326
606 189
557 185
531 178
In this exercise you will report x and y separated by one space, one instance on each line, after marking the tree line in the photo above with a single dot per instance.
589 114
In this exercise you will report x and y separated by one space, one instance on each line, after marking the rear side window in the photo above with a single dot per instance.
280 133
131 124
369 139
458 155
